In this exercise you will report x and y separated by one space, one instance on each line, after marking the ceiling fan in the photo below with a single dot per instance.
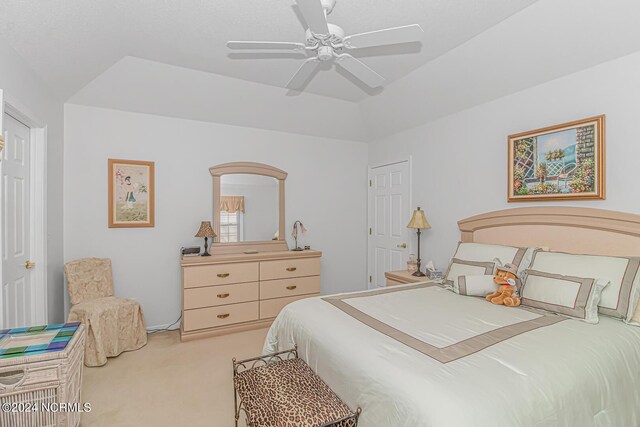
328 42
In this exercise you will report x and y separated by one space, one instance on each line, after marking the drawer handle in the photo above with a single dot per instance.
291 269
223 295
223 275
223 316
291 287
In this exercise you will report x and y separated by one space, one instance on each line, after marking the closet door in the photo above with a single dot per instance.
389 214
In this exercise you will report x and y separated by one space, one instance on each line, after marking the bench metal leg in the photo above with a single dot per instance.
350 420
243 365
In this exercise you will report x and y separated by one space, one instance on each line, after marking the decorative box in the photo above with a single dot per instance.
41 368
434 274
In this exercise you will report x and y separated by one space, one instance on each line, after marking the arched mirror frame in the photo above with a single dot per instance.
255 169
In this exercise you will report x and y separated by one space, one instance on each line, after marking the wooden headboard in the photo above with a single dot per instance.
566 229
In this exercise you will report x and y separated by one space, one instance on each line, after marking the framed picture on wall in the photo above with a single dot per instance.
131 193
562 162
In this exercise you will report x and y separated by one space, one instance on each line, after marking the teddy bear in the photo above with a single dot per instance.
506 279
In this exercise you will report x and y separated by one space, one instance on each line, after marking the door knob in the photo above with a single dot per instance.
403 246
29 265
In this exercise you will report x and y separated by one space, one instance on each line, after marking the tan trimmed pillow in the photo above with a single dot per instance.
475 286
459 267
619 298
482 252
571 296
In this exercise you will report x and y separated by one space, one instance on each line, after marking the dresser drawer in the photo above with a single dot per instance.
222 274
289 268
210 317
271 307
289 287
210 296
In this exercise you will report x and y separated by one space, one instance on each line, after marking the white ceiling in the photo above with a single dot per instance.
71 42
548 40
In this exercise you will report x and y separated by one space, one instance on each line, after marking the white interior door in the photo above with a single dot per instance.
389 214
18 293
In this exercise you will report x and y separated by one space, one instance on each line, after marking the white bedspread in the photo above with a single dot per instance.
565 374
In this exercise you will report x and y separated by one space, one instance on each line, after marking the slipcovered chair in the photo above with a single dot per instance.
113 324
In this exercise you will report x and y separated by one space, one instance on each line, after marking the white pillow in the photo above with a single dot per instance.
460 267
576 297
483 253
476 286
635 320
618 298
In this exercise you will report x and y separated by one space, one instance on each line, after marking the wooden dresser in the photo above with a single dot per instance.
229 293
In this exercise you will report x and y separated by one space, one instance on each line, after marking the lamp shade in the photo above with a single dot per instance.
418 220
206 230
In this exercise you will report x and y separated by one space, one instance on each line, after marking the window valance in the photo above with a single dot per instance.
232 203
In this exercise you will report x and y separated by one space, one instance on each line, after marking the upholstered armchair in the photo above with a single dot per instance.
113 324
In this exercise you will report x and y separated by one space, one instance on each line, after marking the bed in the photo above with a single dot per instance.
421 355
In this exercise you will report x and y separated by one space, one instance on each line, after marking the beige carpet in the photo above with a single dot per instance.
169 383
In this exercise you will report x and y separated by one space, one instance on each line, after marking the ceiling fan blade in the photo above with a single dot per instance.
359 70
314 15
407 34
303 73
265 45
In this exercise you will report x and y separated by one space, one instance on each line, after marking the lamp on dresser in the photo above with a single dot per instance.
206 231
419 222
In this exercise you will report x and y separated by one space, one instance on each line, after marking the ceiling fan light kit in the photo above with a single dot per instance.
328 42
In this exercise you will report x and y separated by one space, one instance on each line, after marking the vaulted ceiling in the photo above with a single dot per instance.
70 42
168 57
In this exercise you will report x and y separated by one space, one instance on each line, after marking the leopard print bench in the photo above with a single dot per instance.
280 390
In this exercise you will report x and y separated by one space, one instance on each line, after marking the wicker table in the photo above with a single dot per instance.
40 369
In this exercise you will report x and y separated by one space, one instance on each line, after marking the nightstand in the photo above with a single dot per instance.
402 277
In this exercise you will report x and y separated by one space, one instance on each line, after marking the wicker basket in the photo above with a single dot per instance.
50 378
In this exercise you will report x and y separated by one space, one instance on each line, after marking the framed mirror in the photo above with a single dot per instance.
248 208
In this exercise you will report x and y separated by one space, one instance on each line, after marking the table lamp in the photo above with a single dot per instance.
206 231
419 222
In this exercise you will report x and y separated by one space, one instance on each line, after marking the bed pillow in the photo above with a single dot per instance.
459 267
484 253
475 286
635 320
571 296
618 299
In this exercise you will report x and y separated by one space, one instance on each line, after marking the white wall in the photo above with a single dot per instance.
26 92
459 162
322 173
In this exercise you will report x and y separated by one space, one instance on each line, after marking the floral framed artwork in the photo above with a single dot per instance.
562 162
131 194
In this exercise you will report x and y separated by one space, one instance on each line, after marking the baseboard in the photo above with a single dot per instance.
175 327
